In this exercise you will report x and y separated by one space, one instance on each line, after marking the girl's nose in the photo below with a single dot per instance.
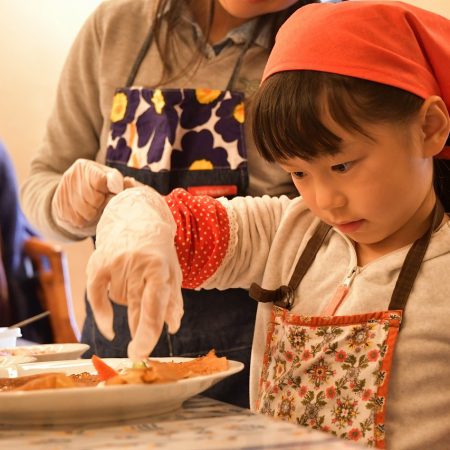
329 197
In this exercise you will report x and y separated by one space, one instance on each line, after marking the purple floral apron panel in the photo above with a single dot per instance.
190 138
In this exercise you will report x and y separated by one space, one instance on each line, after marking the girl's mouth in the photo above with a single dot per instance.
349 227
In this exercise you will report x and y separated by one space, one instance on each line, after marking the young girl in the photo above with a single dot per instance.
352 278
156 91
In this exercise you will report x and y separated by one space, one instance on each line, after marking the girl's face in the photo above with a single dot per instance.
248 9
378 191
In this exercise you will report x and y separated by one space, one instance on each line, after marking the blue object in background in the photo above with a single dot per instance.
23 285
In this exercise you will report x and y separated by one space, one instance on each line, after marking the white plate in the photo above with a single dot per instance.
47 352
100 403
7 361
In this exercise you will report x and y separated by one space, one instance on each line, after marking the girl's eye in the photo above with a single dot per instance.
342 168
299 175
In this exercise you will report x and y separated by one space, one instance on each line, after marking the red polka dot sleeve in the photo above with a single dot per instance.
203 234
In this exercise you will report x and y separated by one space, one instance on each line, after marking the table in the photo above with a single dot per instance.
201 424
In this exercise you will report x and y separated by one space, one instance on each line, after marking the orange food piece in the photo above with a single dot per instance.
104 371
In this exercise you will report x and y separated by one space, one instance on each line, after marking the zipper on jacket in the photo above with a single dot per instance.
340 294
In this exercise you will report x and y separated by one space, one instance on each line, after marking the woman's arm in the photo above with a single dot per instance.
72 130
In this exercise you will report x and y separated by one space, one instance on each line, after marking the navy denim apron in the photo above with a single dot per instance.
190 138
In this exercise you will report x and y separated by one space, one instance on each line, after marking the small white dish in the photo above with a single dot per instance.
100 403
8 336
47 352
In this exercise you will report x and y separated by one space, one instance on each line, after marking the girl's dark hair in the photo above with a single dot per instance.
287 116
169 14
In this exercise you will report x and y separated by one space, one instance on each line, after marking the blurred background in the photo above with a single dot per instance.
35 36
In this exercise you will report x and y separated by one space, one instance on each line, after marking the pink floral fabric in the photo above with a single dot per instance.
330 373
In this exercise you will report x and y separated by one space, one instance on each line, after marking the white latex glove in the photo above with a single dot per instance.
83 192
135 263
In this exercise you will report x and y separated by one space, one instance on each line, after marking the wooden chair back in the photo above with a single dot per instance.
50 265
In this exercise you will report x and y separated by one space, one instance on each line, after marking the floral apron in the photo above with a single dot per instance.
332 372
191 138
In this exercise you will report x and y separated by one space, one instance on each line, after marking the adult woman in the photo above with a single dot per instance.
187 67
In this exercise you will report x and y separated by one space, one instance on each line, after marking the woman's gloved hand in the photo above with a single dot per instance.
82 194
135 264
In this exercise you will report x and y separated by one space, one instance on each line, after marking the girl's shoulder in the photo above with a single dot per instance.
439 246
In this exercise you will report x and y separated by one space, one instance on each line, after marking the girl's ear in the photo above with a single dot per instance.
435 123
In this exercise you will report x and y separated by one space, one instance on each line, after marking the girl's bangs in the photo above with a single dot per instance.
288 112
287 119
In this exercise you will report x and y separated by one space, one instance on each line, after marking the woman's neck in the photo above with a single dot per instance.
222 21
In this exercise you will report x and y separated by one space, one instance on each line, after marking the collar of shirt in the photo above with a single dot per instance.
236 36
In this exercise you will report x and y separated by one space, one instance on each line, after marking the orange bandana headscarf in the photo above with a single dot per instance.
387 42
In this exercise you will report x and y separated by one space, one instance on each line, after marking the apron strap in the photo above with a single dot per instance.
237 66
148 42
140 57
413 262
284 295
